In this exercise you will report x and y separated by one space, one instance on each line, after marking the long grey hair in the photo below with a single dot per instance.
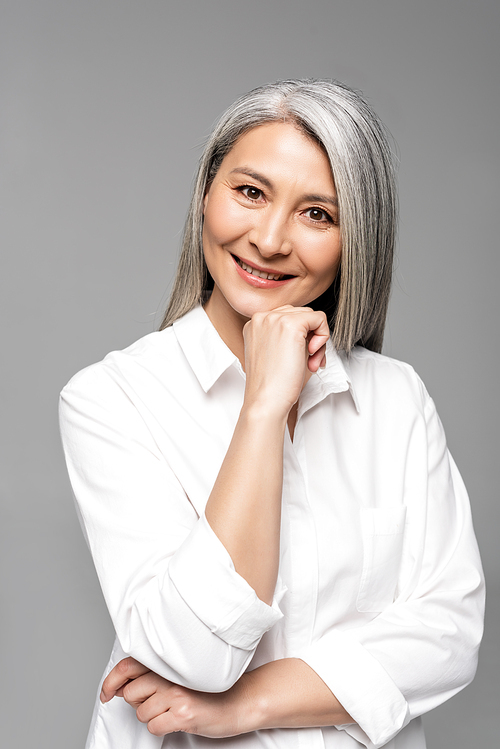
358 149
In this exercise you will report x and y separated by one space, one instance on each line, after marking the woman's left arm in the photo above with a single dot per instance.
420 650
282 694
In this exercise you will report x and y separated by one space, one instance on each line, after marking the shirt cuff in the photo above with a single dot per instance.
361 685
204 575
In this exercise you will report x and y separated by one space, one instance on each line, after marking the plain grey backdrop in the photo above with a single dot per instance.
103 108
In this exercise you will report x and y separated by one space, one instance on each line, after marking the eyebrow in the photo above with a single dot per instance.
313 198
255 175
321 199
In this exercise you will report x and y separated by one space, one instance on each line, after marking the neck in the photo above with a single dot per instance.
228 323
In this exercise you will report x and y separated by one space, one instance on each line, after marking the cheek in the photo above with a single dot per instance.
323 257
224 221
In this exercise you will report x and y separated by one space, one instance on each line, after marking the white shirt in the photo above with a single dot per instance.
380 588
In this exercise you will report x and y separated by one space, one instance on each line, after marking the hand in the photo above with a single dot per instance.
168 707
281 694
281 347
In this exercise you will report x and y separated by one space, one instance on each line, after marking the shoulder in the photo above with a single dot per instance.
366 361
152 357
385 379
123 396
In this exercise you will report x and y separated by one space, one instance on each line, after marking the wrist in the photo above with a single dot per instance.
263 413
248 704
288 693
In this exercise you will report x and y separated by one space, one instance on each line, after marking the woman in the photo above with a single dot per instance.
283 541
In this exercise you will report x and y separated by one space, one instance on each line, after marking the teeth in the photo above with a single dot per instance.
259 273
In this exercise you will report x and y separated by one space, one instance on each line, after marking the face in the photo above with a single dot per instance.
270 235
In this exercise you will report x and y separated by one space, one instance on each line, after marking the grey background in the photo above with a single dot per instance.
103 108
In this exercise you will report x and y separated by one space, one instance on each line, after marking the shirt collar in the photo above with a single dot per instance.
206 352
209 357
334 378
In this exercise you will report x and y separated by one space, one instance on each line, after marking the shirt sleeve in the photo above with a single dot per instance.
174 597
421 649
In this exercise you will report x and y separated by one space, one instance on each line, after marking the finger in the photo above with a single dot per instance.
126 669
139 690
317 341
165 723
317 360
154 706
322 327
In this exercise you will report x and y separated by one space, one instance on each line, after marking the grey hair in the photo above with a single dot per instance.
357 146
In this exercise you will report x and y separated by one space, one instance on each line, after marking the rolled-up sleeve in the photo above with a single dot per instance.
421 649
174 597
233 612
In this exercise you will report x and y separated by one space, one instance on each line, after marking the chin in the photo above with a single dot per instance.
248 308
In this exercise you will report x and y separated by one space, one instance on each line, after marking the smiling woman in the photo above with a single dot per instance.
270 234
339 122
282 538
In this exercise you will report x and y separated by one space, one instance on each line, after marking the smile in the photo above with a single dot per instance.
259 273
250 270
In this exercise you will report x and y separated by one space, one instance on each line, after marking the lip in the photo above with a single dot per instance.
259 283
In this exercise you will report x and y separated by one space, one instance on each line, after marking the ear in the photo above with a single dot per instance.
205 197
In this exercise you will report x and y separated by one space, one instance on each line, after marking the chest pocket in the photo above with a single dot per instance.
383 531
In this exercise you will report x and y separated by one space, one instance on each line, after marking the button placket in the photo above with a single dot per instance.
300 559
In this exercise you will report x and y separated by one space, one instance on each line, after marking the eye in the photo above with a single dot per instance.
318 215
250 192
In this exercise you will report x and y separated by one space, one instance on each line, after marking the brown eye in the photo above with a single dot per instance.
251 192
318 215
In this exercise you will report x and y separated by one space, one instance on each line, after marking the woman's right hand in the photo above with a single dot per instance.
167 707
244 508
281 347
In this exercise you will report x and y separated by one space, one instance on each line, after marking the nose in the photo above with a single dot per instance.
270 233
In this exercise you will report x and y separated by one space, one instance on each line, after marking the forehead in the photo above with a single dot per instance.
281 148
